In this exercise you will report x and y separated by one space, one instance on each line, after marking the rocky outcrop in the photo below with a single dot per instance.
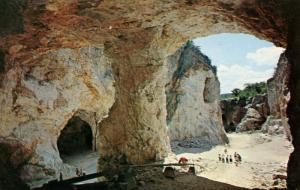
193 97
278 93
260 103
234 110
273 126
39 96
252 121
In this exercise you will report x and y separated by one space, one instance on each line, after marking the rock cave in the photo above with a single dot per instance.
76 137
108 59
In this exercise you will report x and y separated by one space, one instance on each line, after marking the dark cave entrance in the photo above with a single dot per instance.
75 138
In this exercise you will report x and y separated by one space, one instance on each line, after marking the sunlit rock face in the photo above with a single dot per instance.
59 58
251 121
193 93
40 94
278 93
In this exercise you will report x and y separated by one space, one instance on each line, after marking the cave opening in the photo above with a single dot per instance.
247 69
232 86
76 138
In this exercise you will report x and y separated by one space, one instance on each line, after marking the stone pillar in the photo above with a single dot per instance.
136 127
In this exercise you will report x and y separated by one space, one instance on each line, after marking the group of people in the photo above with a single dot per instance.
79 172
226 158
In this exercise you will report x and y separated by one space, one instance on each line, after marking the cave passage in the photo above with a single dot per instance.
75 138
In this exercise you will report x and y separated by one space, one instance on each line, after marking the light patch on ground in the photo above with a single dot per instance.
87 161
262 156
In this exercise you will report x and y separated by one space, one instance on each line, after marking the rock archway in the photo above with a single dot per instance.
115 51
76 137
144 47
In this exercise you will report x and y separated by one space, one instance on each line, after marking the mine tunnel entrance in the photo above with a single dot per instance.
75 138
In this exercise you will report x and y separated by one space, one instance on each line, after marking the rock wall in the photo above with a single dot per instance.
236 110
38 97
193 97
293 108
233 111
278 93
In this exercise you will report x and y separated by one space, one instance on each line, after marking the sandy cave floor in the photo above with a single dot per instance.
262 156
87 161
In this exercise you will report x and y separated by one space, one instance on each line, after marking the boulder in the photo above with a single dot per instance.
251 121
273 126
260 103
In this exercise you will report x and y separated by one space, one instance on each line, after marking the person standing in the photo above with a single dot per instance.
225 150
77 172
60 176
239 158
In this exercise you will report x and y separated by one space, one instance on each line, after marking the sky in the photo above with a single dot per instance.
240 58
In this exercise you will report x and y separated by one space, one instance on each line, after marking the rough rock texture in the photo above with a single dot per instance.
39 96
278 92
260 103
193 97
252 121
233 111
273 126
136 36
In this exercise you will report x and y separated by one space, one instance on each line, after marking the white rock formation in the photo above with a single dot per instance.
193 98
41 94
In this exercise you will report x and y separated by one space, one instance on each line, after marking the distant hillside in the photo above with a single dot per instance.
250 90
226 96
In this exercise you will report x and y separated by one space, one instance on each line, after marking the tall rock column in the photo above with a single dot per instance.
193 91
136 128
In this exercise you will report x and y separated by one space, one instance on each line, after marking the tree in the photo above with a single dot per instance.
236 92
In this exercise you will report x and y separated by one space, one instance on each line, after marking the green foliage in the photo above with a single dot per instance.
214 69
250 90
236 91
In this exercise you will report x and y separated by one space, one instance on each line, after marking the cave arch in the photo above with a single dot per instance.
76 137
136 38
133 117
